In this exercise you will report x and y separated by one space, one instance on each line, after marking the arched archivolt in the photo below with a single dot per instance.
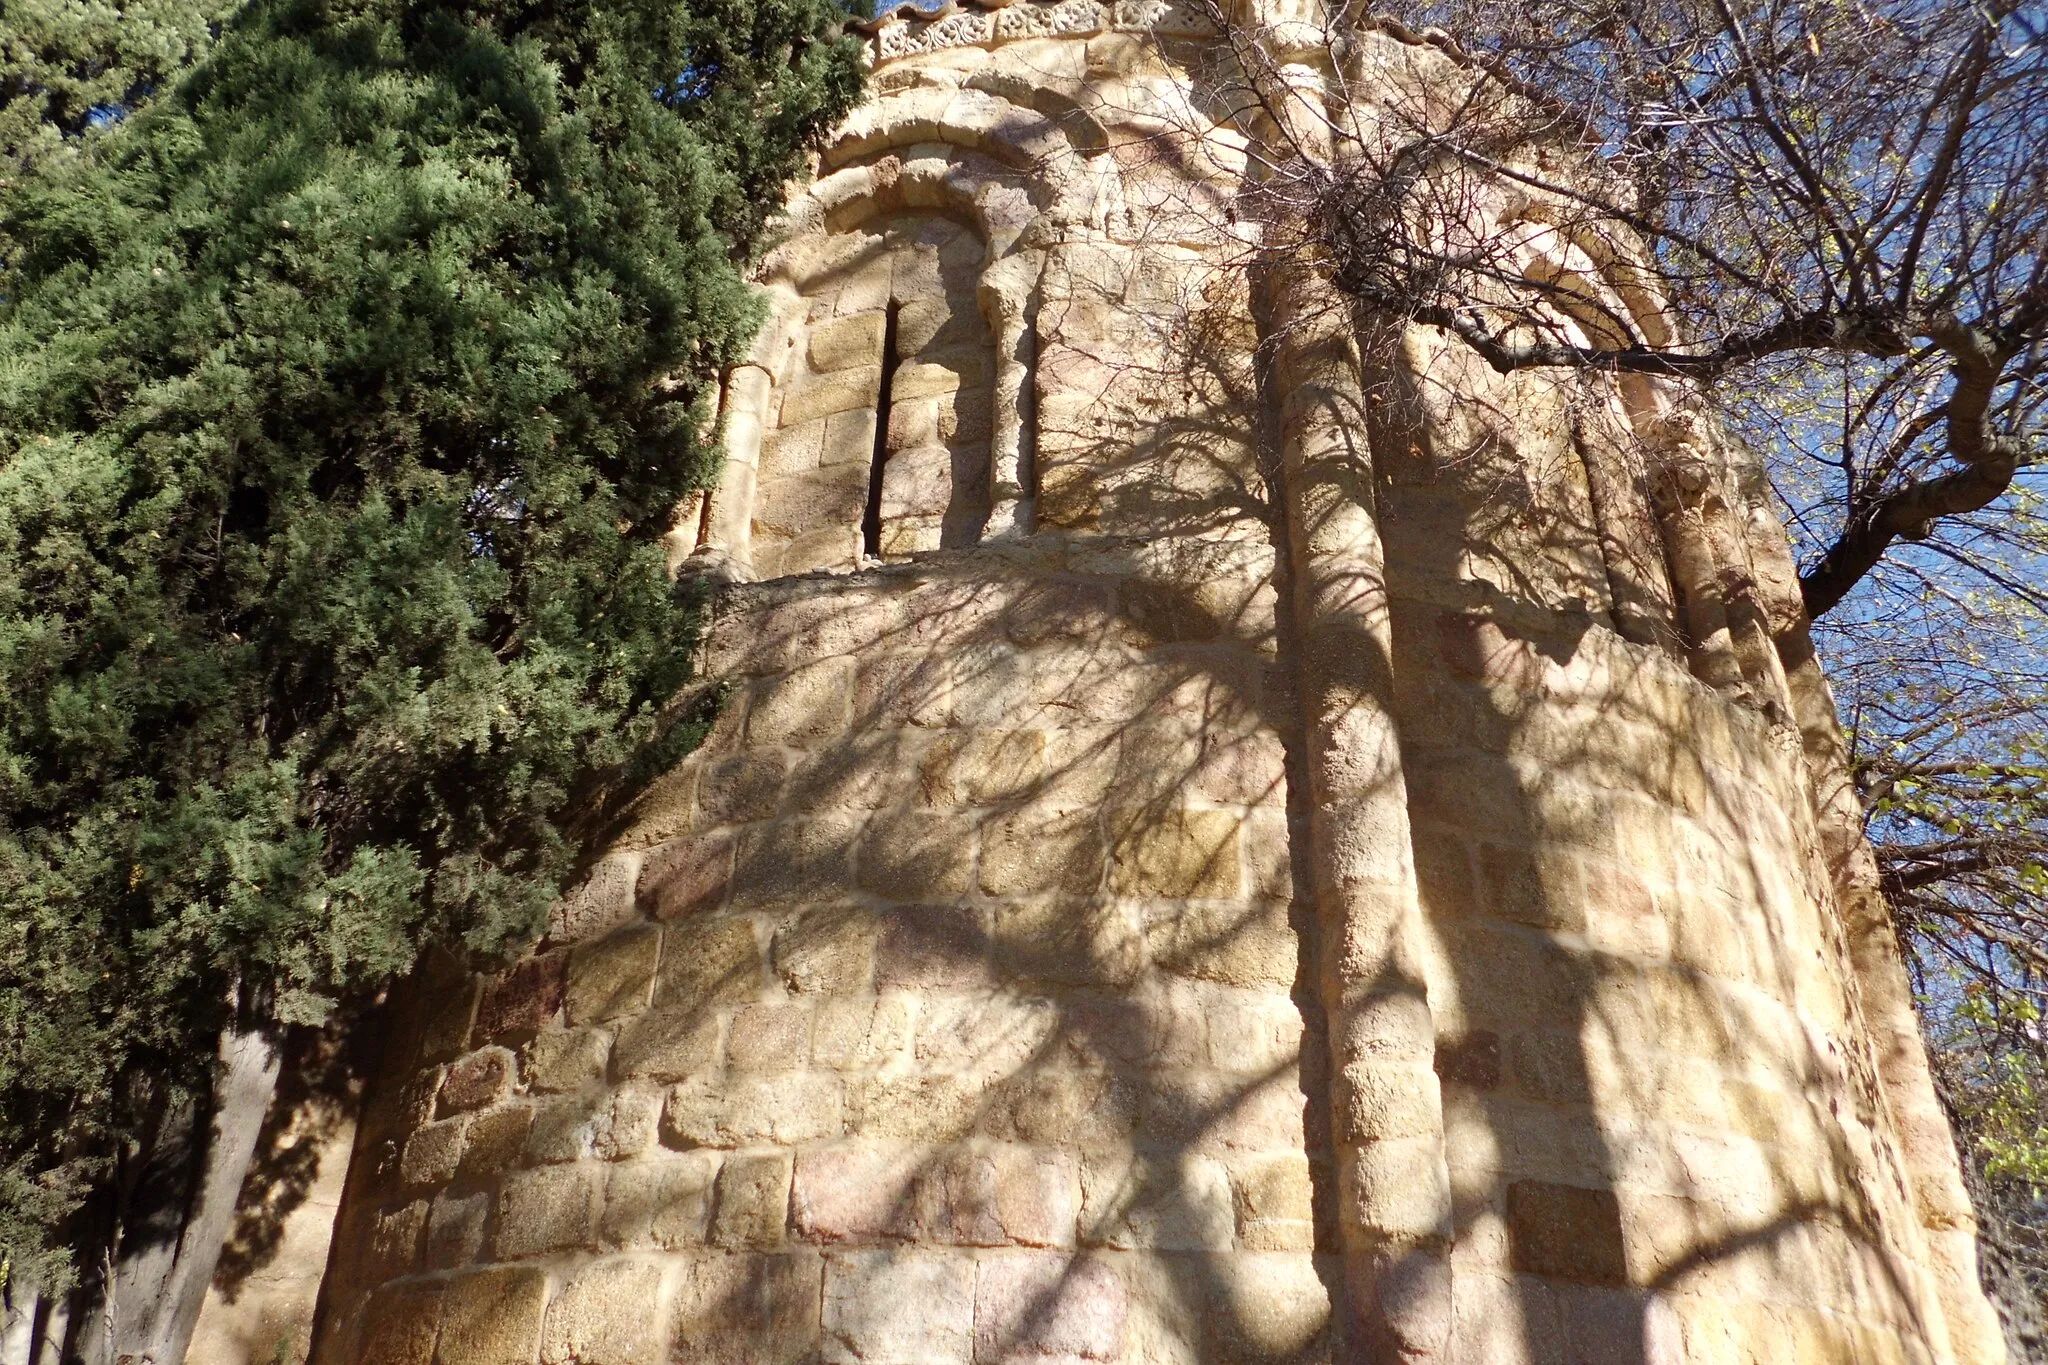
952 200
991 112
1653 460
979 153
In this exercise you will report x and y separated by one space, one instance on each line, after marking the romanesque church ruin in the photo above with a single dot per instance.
1222 842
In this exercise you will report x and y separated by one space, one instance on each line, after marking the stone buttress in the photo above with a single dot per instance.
1219 844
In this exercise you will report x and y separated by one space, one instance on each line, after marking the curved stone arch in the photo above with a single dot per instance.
1601 260
1692 479
992 109
996 202
1050 98
1034 147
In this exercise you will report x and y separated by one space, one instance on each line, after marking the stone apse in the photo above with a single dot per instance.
1219 843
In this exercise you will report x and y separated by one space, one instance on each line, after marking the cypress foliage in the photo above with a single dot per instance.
346 388
69 65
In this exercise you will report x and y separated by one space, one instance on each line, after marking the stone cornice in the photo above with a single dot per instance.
907 29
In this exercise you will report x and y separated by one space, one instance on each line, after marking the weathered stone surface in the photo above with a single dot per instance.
1068 942
714 961
779 1107
1000 1195
551 1209
915 483
401 1323
432 1152
928 946
1250 944
849 439
495 1140
1273 1197
450 1018
840 392
791 862
858 1191
566 1060
627 1125
665 1045
1270 1308
1175 852
1544 888
602 903
829 950
923 1107
749 1309
989 1037
864 1191
604 1315
1567 1233
686 876
1042 851
395 1239
898 1306
1473 1059
482 1078
863 1033
751 1207
493 1317
928 378
612 976
1257 1032
1164 1203
913 855
803 707
826 499
1197 1110
746 786
792 449
845 343
664 1201
455 1231
1030 1307
768 1037
522 999
903 689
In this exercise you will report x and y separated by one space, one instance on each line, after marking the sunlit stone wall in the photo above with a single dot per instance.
1196 861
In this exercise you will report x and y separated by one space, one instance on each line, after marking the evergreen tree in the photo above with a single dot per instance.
68 66
346 388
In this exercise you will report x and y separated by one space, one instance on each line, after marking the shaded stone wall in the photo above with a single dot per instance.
259 1310
1314 860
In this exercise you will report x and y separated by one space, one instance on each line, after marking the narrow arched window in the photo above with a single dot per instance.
878 440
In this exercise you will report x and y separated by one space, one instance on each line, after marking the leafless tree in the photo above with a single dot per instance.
1843 193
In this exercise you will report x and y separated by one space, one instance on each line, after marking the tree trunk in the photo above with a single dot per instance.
18 1327
246 1080
178 1216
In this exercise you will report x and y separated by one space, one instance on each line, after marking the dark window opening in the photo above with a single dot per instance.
871 520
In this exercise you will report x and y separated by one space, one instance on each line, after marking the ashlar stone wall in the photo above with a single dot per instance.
947 1016
1334 859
